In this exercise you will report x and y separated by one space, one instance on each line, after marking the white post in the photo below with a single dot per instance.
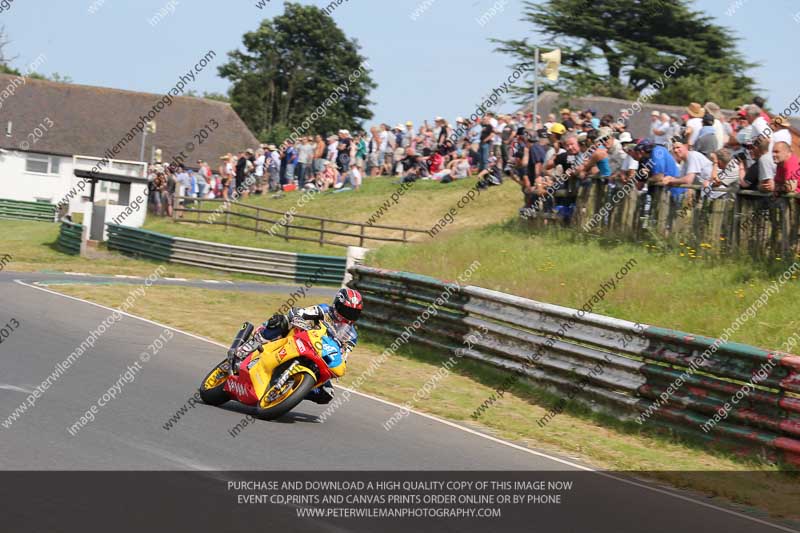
85 238
535 86
355 256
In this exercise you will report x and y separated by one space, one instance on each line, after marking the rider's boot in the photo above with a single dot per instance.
321 395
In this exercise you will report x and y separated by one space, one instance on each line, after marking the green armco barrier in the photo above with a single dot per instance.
301 268
656 377
19 210
69 238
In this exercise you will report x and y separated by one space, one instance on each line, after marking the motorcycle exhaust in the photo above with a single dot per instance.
241 337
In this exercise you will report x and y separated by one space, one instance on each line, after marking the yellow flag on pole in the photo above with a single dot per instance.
552 63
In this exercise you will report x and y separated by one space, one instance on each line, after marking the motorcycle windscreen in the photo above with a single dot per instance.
332 355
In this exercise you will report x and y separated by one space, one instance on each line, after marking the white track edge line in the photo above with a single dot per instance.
569 463
454 425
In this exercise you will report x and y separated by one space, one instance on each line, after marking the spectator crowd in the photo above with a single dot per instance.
749 150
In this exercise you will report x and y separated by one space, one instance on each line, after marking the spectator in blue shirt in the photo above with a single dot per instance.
289 160
660 162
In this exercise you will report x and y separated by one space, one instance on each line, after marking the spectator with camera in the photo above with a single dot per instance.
761 171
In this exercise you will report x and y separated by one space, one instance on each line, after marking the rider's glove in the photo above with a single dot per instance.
259 337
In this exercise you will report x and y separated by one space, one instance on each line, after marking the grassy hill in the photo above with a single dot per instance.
420 206
664 287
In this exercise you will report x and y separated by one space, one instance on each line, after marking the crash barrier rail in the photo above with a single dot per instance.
287 226
16 209
297 267
613 366
69 238
760 225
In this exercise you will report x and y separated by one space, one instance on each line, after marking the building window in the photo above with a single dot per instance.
106 186
42 164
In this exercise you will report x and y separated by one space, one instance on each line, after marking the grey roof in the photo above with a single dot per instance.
91 120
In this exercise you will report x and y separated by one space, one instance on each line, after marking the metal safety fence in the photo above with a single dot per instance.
16 209
69 238
656 376
216 256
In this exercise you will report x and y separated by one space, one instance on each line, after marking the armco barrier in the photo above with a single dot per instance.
69 238
17 209
613 366
297 267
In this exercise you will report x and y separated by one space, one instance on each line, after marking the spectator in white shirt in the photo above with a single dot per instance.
696 168
274 167
719 121
758 126
661 129
499 126
780 127
727 174
695 122
260 166
353 177
655 122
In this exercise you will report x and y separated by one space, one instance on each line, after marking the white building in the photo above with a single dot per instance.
49 129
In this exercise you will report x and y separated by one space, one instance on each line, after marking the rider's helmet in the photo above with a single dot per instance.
348 304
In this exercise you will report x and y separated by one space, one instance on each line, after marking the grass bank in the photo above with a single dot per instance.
663 288
421 205
31 247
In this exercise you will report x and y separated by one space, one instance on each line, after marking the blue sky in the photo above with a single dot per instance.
442 63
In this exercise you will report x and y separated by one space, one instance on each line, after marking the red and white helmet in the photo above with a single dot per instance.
348 304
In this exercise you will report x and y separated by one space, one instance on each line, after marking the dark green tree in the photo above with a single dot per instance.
619 48
291 66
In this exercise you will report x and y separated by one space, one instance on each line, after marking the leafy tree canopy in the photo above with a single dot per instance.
299 68
637 41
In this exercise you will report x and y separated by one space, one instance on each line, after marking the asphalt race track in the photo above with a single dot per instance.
128 433
58 278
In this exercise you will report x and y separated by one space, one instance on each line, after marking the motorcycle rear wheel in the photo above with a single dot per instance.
297 388
212 389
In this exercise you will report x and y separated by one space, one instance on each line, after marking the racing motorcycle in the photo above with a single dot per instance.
277 376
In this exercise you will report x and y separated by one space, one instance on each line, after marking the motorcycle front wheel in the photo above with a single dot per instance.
292 393
212 388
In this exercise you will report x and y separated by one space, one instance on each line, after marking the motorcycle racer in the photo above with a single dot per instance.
341 337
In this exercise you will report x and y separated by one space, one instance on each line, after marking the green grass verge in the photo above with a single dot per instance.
420 206
701 296
31 247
